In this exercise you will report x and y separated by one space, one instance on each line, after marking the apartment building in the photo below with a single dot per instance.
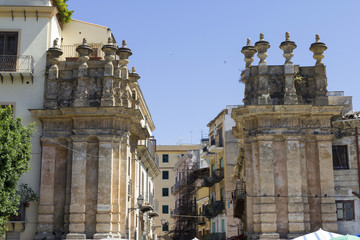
221 151
164 184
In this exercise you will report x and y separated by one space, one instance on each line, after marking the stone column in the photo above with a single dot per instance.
107 98
318 49
45 226
295 183
281 184
116 189
290 93
268 225
124 149
52 81
133 203
249 52
78 188
264 92
313 181
328 207
249 174
256 185
81 93
105 184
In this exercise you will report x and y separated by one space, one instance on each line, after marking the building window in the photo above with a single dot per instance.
165 175
165 192
165 227
8 50
223 225
213 227
345 210
165 209
165 158
340 157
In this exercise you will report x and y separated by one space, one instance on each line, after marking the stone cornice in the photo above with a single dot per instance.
28 11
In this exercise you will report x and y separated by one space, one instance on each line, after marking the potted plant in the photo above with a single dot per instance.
27 194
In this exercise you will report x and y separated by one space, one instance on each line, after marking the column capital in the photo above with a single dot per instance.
106 138
324 138
79 138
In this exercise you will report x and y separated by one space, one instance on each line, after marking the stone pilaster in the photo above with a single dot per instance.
124 155
328 208
295 183
281 184
116 189
133 203
267 188
105 184
313 181
249 168
78 188
45 226
256 186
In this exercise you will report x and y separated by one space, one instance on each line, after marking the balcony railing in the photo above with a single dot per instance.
213 209
69 51
216 177
214 236
24 63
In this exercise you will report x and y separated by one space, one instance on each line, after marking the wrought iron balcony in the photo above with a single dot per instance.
11 65
213 209
201 221
216 177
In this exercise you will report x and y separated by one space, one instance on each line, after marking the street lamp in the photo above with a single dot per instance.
139 201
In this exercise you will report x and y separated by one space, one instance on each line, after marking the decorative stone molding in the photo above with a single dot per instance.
249 52
261 47
318 49
288 46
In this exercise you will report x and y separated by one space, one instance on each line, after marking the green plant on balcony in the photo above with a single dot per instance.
26 194
64 14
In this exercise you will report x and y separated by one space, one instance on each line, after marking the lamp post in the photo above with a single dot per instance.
139 201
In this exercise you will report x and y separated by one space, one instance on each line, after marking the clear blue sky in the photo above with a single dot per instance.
188 52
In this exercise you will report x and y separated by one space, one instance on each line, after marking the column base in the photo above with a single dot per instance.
103 235
269 236
295 235
43 236
76 236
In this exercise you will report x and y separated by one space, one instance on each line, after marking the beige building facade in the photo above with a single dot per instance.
94 160
164 184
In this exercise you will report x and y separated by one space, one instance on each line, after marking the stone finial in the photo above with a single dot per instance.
261 47
133 70
84 42
318 49
56 42
287 36
261 37
249 52
288 46
124 53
